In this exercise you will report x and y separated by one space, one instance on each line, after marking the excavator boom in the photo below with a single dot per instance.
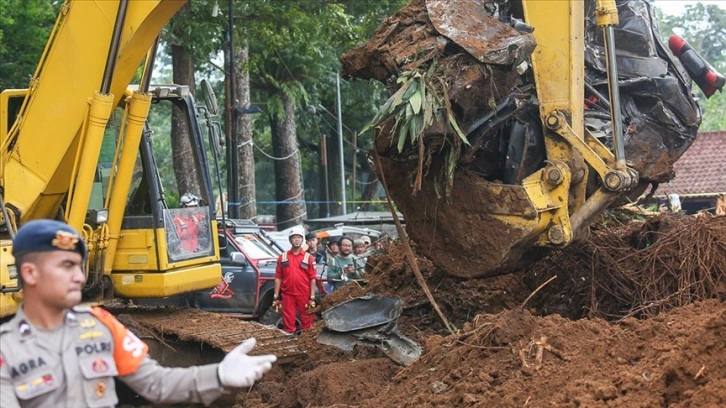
77 63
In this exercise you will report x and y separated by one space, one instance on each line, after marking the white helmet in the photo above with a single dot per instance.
189 200
297 230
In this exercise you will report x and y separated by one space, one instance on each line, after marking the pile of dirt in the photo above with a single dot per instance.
512 349
635 268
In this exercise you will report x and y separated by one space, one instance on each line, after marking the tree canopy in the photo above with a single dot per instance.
704 27
24 29
294 49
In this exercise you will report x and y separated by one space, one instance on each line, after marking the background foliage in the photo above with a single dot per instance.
294 48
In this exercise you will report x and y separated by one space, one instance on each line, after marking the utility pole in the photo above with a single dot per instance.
340 143
233 199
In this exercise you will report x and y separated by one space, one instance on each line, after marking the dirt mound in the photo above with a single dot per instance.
637 268
507 356
515 359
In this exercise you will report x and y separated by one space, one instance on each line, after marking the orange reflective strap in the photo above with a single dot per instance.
128 350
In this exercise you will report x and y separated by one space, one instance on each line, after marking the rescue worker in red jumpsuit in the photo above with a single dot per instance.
295 283
55 353
187 223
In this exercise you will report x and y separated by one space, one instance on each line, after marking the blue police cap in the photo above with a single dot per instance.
47 235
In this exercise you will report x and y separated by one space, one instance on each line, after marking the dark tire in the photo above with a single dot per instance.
273 318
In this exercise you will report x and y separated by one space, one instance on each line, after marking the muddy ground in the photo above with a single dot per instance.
511 349
633 316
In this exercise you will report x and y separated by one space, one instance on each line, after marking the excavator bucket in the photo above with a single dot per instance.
528 83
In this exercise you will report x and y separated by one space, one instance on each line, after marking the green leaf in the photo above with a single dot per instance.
402 136
409 112
413 130
457 129
450 167
415 102
428 116
410 90
400 95
379 115
422 87
416 127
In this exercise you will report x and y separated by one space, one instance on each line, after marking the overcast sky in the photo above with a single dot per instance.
676 6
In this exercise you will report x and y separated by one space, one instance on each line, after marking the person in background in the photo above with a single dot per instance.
366 241
342 269
313 249
321 260
359 247
333 247
188 224
295 284
54 352
360 256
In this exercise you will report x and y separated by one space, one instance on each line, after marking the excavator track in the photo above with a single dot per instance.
183 337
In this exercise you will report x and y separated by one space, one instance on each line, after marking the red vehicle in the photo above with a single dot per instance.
248 259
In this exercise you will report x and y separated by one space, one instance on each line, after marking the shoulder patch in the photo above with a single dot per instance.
128 350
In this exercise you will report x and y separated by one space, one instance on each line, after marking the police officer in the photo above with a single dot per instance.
54 353
295 281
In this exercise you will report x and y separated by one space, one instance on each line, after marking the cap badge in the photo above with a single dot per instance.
65 241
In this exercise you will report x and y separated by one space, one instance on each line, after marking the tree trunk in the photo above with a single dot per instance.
183 68
323 179
245 149
289 185
228 109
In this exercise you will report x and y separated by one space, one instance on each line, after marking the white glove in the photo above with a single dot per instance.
238 370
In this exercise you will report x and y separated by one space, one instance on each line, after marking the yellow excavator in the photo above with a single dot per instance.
79 145
75 147
567 108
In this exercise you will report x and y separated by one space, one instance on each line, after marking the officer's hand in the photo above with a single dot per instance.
238 370
277 305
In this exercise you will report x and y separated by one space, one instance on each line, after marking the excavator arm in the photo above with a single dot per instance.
570 107
559 73
61 157
94 51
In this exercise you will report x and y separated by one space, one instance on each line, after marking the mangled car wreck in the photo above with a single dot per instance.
498 141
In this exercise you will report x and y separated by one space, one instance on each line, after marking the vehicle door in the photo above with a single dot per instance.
235 292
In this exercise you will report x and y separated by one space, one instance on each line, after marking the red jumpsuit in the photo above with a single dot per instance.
296 273
187 226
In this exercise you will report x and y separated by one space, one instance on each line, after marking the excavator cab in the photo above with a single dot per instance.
153 255
153 214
